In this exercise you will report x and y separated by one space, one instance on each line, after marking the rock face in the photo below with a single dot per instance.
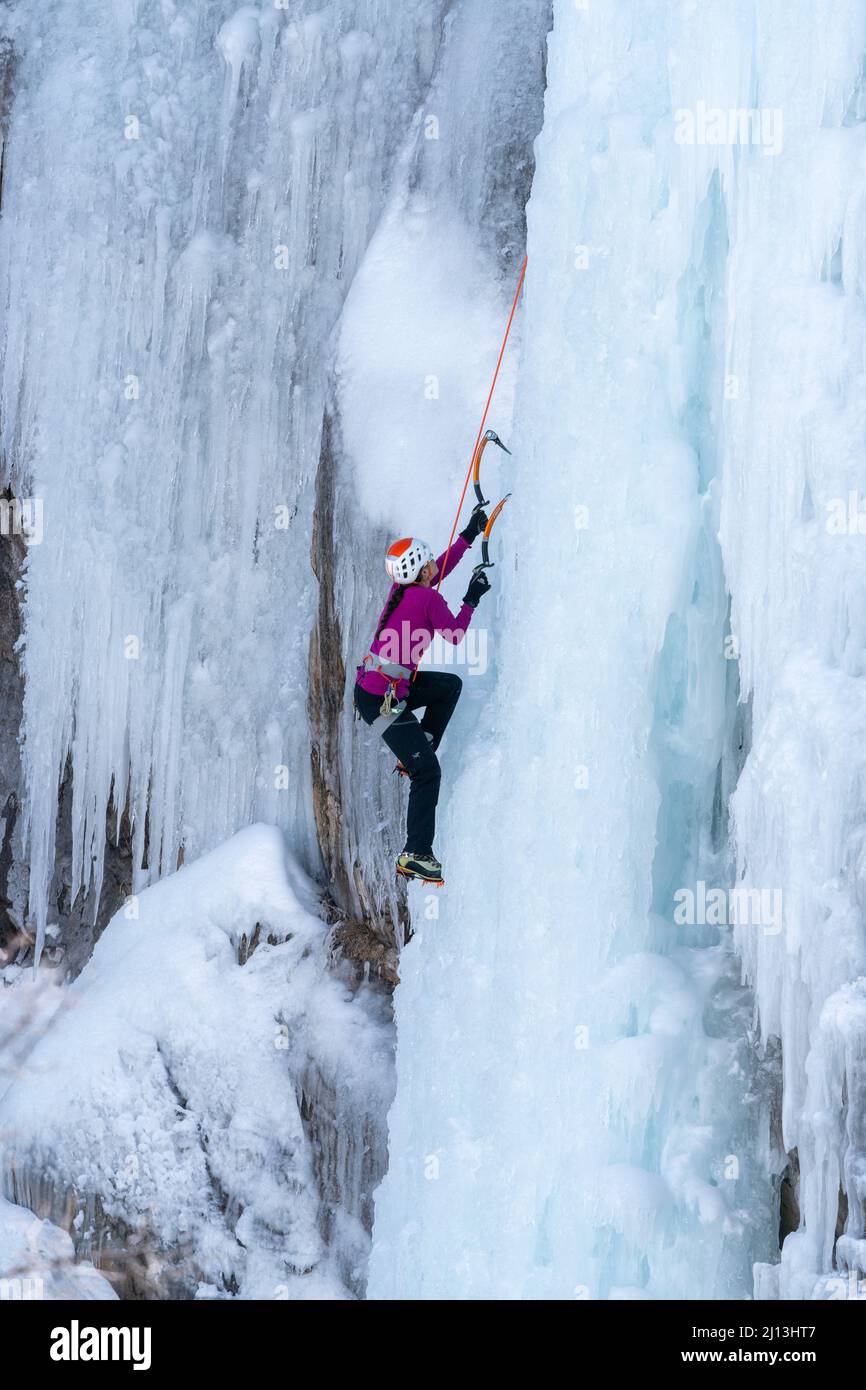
12 552
327 677
340 754
11 557
80 918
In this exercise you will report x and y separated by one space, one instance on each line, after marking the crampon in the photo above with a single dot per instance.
420 866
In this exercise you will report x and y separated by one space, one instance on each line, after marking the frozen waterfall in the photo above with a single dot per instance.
255 261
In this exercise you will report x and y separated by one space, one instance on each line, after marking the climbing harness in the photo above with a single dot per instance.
393 673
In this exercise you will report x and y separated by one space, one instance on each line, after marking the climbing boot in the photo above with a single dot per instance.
421 866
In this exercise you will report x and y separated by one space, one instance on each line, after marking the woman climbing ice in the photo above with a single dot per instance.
389 687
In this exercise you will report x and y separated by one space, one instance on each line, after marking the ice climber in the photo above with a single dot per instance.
389 688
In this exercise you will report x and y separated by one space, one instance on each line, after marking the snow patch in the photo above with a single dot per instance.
170 1083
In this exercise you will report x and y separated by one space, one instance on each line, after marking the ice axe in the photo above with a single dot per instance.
486 562
489 437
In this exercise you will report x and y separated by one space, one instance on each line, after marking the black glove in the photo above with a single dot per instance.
477 523
478 585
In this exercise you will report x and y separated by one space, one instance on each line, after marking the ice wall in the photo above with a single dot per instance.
793 534
579 1113
187 191
417 340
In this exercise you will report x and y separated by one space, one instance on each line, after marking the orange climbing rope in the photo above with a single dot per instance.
483 421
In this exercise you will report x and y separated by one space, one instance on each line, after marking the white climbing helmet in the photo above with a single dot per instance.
406 559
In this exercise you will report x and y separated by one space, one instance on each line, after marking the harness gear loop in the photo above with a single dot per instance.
393 673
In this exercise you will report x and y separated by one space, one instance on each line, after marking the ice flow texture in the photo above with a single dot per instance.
208 181
576 1115
187 193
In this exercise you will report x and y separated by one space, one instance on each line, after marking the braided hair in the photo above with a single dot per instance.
398 592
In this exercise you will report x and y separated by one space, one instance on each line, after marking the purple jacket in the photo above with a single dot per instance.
420 612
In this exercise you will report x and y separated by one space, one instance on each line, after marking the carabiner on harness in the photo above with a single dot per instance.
393 673
388 707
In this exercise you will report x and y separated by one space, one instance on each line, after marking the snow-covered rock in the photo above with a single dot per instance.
37 1261
173 1089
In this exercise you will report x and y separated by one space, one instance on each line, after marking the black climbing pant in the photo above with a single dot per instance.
415 744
